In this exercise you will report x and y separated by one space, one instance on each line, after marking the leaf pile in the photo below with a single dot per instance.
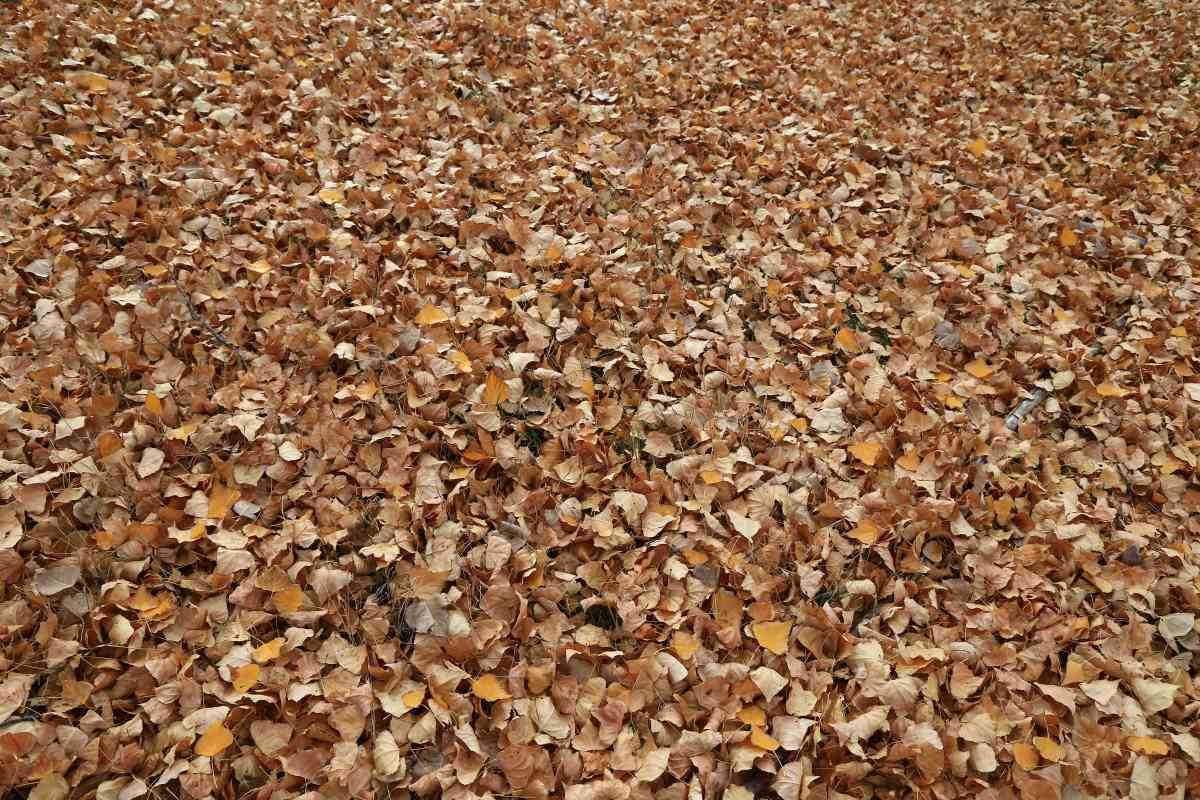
599 400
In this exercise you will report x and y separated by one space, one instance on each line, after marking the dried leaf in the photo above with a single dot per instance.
773 635
215 739
488 687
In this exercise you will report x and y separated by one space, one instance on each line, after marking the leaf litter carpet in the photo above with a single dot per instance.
690 401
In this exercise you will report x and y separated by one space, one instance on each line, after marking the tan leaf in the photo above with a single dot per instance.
220 499
331 196
270 737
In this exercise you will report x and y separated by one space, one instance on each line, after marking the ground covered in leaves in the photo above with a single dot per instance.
599 401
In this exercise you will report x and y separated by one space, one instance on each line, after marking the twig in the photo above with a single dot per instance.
212 332
1031 403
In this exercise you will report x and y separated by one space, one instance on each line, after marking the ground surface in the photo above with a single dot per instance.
602 401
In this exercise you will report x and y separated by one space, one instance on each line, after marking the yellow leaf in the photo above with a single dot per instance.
268 651
487 687
1025 756
495 391
774 287
1049 749
220 499
414 698
1068 238
260 267
695 557
214 740
685 645
909 461
95 84
953 401
245 676
331 196
1147 745
431 315
288 600
710 476
978 147
459 359
980 368
154 404
1110 390
865 531
761 740
753 715
846 340
866 452
800 424
773 635
183 432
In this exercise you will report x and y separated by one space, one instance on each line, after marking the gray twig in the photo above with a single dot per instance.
212 332
1031 403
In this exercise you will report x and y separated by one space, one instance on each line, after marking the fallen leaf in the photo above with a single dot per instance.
431 315
1068 238
866 531
978 147
288 600
773 635
1147 745
866 452
245 676
762 741
214 740
268 651
1049 749
488 687
495 390
1025 755
685 645
980 369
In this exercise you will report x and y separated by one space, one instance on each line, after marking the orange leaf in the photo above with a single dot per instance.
214 740
142 600
414 698
685 645
978 147
1049 749
1068 238
866 452
487 687
1110 390
846 340
459 359
866 531
268 651
710 476
245 676
1147 745
495 391
909 461
1025 756
761 740
773 635
288 600
431 315
1002 507
220 499
980 368
154 404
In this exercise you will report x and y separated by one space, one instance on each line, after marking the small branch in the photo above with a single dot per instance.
1031 403
212 332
